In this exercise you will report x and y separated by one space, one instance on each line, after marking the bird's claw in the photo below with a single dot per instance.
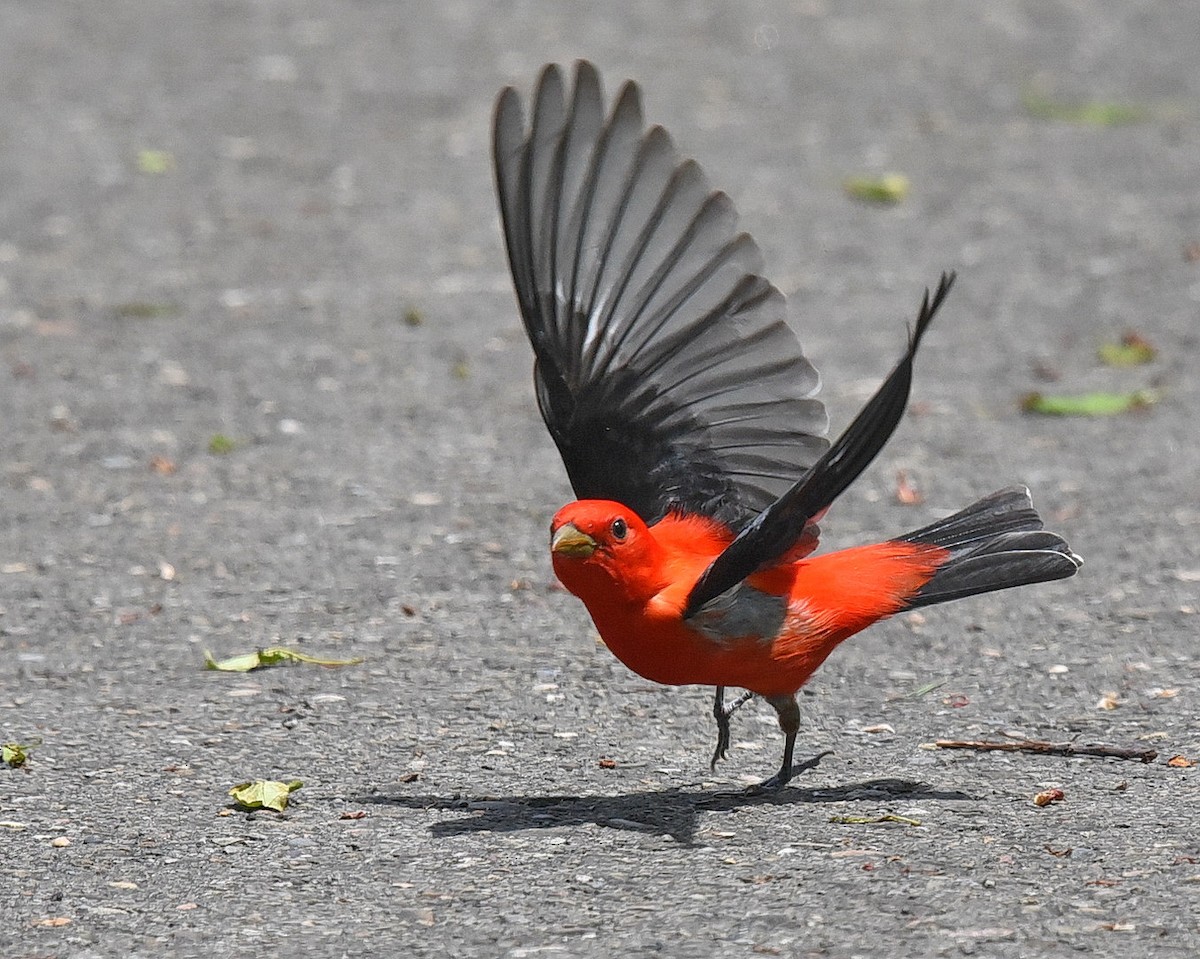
723 738
721 714
784 776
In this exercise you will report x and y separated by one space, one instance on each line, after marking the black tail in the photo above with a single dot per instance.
996 543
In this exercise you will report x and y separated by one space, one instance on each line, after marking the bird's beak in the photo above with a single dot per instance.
569 540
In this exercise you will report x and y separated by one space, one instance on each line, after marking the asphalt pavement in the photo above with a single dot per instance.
263 383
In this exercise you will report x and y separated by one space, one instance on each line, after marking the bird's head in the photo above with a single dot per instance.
598 546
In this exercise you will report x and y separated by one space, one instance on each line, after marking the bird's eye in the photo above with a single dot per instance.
619 529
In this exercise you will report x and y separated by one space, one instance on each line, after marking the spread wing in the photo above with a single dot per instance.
664 367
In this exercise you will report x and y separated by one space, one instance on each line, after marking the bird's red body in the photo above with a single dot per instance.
637 600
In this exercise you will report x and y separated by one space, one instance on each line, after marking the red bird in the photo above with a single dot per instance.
684 411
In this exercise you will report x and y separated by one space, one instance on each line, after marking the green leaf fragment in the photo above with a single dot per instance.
1133 350
264 794
275 656
1096 113
1088 404
155 162
890 188
145 310
872 820
922 691
220 444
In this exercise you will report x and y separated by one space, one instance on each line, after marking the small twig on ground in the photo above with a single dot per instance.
872 820
1052 749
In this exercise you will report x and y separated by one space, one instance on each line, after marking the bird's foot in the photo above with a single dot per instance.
721 714
784 776
723 737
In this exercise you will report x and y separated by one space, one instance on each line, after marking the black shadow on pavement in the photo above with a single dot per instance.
673 812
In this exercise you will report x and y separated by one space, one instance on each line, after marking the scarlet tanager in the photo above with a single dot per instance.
685 413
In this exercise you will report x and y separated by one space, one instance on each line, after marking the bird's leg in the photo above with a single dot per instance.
722 718
721 714
789 722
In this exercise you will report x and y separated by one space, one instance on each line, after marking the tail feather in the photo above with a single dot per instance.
997 543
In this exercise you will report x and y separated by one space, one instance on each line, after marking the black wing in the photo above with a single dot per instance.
665 370
777 528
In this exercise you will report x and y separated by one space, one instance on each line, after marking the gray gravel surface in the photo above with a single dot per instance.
324 184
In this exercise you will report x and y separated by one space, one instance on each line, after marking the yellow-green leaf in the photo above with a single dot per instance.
1133 350
1096 113
234 664
1088 404
890 188
155 162
264 794
15 754
275 656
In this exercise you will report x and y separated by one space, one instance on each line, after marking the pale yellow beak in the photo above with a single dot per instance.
569 540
